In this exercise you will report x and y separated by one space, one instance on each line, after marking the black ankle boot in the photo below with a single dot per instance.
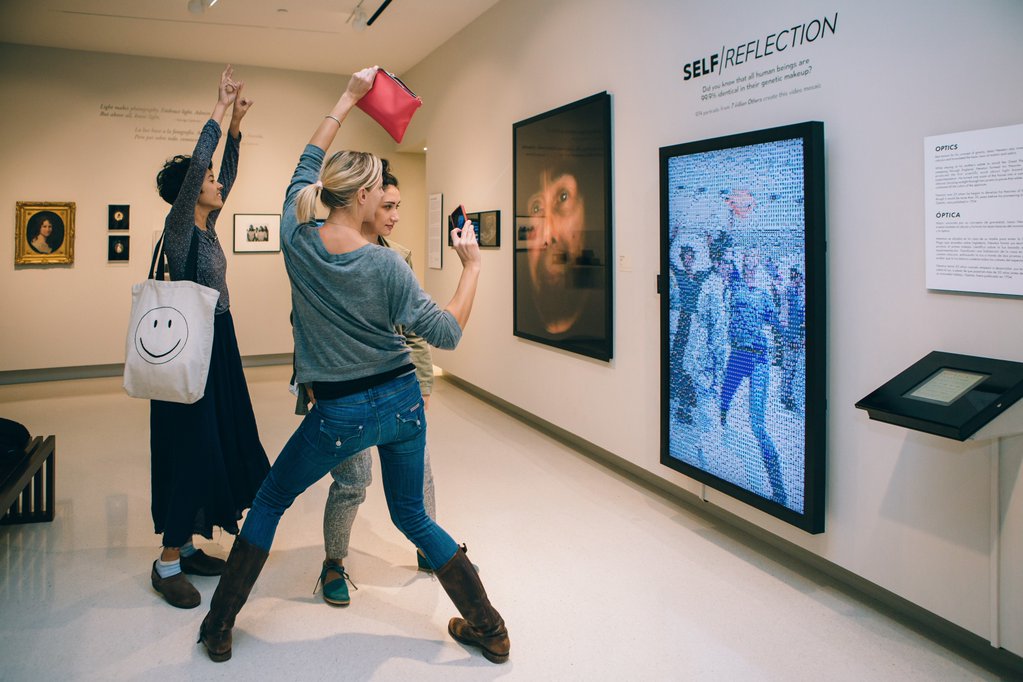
481 625
200 563
243 567
176 590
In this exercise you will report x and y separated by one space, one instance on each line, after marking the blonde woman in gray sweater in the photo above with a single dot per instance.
348 295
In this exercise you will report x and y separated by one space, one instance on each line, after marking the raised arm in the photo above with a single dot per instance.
464 241
359 84
242 103
229 164
182 215
311 160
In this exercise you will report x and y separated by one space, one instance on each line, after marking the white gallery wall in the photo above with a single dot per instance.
86 127
909 512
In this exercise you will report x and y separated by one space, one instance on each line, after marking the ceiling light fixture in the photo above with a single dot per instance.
200 6
358 18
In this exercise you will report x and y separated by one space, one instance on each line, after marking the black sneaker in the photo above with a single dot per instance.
200 563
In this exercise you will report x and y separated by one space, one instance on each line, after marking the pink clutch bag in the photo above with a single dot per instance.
390 103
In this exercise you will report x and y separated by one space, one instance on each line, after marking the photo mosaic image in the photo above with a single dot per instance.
736 314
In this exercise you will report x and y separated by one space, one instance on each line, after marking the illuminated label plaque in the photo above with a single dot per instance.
950 395
946 386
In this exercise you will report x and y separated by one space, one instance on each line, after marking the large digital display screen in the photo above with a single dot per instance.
743 315
562 189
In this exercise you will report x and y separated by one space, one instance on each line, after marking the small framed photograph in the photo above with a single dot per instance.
490 229
118 247
473 218
117 216
44 233
257 232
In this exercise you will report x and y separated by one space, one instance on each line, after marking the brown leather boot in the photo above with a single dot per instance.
243 567
481 625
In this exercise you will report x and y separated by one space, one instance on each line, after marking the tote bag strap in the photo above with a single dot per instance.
160 269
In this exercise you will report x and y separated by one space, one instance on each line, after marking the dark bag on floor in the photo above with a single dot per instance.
13 438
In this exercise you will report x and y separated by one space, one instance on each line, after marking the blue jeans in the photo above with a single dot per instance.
389 416
754 364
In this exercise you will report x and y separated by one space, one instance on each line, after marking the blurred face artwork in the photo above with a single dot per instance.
557 217
563 227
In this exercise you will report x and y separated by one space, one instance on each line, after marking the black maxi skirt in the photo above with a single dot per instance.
207 461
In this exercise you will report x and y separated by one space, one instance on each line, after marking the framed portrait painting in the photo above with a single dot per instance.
257 232
44 233
743 293
563 240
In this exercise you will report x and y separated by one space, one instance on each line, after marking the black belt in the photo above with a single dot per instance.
332 390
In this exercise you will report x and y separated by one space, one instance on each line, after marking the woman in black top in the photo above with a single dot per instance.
207 461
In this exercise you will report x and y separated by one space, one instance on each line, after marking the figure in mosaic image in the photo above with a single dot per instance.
793 382
704 350
687 282
751 314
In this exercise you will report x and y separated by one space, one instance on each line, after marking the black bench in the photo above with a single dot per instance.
26 483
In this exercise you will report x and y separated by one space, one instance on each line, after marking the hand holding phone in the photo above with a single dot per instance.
465 241
457 218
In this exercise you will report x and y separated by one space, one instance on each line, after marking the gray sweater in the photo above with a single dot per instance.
179 228
346 306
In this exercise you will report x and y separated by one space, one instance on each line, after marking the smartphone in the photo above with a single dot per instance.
457 218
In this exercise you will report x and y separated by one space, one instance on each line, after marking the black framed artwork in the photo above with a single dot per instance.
118 216
563 236
743 317
487 225
118 248
257 232
490 229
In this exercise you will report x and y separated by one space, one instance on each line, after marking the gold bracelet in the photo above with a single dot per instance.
335 118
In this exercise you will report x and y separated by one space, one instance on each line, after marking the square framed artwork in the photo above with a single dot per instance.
563 239
743 291
118 247
490 229
257 232
44 233
118 216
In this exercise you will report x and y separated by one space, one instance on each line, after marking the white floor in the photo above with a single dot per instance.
597 578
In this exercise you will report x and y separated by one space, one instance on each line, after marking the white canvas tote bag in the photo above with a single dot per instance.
170 336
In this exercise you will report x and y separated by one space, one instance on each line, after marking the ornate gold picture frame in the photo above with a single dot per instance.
44 233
